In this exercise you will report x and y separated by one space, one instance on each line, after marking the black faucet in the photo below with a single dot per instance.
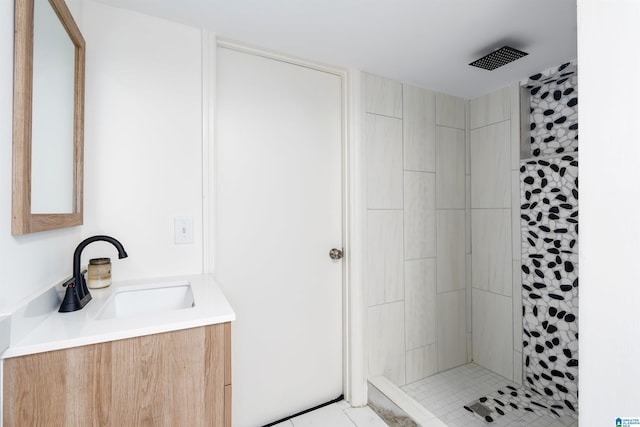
77 294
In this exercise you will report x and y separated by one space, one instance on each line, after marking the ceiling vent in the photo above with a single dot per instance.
498 58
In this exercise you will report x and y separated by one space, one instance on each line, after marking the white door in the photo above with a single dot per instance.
278 214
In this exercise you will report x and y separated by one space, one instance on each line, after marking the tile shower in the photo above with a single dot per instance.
450 248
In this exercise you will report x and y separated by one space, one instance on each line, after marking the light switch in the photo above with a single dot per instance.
183 229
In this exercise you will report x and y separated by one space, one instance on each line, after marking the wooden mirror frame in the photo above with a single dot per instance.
23 221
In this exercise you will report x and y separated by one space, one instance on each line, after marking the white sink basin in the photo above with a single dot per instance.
146 299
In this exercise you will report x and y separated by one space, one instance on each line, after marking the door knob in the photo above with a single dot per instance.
335 253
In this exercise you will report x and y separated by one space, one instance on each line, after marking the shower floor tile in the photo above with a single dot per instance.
446 393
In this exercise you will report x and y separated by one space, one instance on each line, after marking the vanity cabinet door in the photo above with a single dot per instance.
170 379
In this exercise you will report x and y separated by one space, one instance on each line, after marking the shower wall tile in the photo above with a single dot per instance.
419 129
491 167
469 347
452 329
553 119
516 229
517 367
491 250
420 302
491 108
450 176
468 288
386 342
514 93
550 277
422 362
384 162
517 306
492 332
385 264
450 111
382 96
451 255
467 138
525 125
419 215
467 187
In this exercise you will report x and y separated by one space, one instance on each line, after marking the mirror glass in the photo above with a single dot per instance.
51 113
48 117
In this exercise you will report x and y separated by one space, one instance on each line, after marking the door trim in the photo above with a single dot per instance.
353 306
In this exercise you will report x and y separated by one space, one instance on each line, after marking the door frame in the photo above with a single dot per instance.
353 204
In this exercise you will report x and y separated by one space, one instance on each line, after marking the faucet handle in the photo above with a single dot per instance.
70 280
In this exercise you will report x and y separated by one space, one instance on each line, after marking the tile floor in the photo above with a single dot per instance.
339 414
445 394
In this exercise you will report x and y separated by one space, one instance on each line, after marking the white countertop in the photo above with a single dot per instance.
55 331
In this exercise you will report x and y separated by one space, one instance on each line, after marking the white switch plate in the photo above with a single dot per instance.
183 229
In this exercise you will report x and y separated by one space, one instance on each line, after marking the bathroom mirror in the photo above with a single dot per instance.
48 117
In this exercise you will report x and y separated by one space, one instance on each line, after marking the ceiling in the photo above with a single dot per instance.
428 43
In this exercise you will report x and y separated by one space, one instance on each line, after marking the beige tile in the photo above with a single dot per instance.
385 263
469 346
451 250
450 176
491 250
420 302
490 166
386 346
450 111
422 362
452 329
492 332
382 96
419 215
491 108
384 162
419 129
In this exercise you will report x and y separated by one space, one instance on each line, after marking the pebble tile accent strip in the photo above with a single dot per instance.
549 225
510 398
554 111
549 220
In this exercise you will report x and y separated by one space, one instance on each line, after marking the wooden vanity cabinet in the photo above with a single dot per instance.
178 378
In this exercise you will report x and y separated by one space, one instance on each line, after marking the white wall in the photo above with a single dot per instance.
609 206
27 263
143 145
142 152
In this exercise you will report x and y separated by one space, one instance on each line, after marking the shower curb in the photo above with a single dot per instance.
392 396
